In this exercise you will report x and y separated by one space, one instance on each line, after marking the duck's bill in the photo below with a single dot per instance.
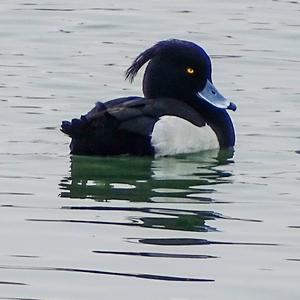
214 97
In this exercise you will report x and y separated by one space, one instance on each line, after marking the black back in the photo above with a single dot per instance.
124 125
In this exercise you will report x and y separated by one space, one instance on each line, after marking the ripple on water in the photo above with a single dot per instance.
107 273
156 254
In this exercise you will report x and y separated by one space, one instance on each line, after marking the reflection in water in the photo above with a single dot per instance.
12 283
165 218
100 272
137 179
157 254
193 241
183 179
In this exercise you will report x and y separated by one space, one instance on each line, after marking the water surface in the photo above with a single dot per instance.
211 225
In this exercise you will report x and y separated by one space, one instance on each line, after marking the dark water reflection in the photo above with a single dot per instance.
184 179
103 273
135 179
187 222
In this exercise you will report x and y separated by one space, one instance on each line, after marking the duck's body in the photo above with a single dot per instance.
182 112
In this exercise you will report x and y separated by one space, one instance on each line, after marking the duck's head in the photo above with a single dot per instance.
178 69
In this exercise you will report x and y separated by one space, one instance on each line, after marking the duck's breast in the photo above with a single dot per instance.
173 135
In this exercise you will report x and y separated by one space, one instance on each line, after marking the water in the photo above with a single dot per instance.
131 228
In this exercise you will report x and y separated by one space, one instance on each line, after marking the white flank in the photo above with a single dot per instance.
172 135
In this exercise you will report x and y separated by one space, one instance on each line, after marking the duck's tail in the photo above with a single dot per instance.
79 127
79 131
74 128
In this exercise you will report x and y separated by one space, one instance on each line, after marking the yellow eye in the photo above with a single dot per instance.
190 70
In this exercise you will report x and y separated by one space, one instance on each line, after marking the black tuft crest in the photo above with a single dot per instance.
148 55
140 60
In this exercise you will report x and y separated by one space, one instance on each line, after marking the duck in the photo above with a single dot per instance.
181 110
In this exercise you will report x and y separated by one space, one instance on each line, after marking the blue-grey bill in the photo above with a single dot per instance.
214 97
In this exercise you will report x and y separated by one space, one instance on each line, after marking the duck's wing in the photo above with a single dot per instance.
95 115
124 125
140 116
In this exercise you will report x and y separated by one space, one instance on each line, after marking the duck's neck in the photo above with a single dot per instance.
218 119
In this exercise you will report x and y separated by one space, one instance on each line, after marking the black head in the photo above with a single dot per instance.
178 69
